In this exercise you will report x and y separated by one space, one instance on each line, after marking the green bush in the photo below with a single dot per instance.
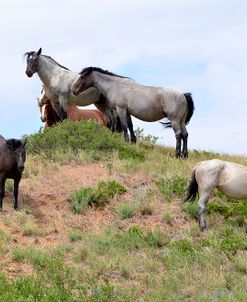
84 197
175 186
66 140
126 209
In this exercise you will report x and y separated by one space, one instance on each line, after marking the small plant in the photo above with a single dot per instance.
18 254
75 236
167 218
147 208
139 132
126 210
84 197
175 186
191 209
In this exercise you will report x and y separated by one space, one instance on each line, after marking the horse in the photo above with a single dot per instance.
58 82
12 160
228 177
50 117
146 103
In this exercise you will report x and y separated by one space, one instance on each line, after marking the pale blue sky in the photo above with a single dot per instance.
191 46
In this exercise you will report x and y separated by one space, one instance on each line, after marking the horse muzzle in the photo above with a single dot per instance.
43 119
29 73
21 168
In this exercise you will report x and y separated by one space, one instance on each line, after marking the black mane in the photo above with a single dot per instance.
13 144
88 70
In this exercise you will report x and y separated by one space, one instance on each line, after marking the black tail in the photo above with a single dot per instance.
166 124
192 188
191 107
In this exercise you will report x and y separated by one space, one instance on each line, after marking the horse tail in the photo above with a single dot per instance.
166 124
190 105
192 190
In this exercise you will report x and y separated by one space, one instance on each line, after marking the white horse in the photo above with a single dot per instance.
229 178
144 102
58 82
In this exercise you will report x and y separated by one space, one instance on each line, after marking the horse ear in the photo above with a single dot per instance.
39 51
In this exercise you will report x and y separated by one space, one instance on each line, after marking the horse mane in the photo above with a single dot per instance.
13 144
90 69
56 62
29 53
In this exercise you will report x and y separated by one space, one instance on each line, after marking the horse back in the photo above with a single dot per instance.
76 114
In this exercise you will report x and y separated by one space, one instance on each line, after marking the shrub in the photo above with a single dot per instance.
126 209
84 197
69 138
175 186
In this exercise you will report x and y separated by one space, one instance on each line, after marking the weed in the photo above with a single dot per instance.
175 186
167 218
75 236
84 197
126 209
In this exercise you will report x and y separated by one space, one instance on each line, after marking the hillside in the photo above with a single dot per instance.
102 220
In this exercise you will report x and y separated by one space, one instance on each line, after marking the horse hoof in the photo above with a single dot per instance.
17 208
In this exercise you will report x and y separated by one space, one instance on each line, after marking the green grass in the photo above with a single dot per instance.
161 257
84 197
126 209
65 141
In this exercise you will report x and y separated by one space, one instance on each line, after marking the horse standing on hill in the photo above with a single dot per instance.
58 82
50 117
229 178
144 102
12 160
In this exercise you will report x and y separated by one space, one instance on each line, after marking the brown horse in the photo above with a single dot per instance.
50 117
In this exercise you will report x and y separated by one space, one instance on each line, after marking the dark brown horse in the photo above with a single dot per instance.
12 160
50 117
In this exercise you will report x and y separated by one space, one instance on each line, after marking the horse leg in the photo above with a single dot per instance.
185 140
2 192
16 189
202 209
122 113
130 126
57 109
177 130
63 106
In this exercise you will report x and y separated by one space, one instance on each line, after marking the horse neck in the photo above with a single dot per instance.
47 70
104 81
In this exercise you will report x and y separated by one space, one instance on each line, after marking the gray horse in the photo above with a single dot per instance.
144 102
58 82
229 178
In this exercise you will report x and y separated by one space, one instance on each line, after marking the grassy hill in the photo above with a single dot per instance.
102 220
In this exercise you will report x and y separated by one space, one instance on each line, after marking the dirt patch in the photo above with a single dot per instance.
44 198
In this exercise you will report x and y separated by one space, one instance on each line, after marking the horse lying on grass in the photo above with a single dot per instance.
229 178
12 160
50 117
146 103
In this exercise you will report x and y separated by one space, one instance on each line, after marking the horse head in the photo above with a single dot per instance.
18 151
32 62
83 82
